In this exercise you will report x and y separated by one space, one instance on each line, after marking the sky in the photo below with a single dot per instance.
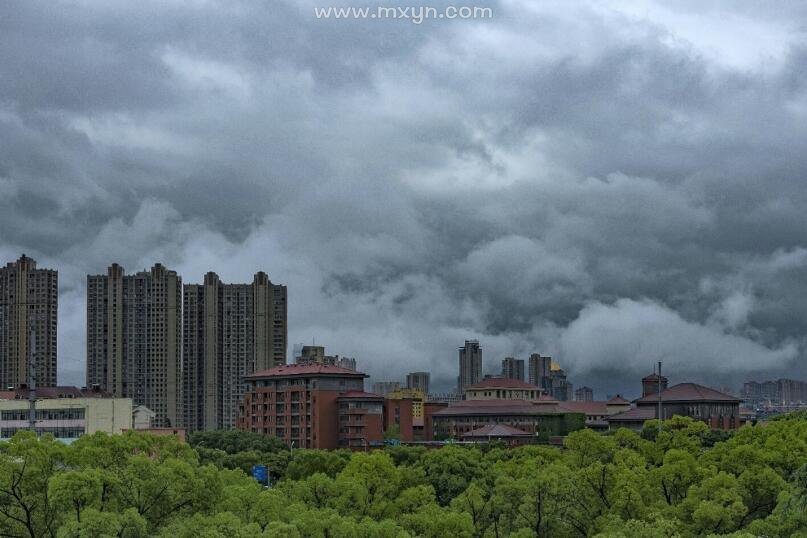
609 183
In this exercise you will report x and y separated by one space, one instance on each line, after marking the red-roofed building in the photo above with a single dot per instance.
633 419
502 388
541 419
597 413
313 406
715 408
499 432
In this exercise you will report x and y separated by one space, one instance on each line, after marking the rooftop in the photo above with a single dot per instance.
361 394
689 392
501 383
497 407
286 370
589 408
617 400
497 430
54 392
637 413
653 377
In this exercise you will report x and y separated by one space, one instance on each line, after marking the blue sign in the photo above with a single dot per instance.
260 473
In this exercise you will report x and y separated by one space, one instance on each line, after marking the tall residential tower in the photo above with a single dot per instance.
134 338
513 368
470 365
28 305
230 331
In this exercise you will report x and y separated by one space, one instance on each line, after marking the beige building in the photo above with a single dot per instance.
65 412
230 331
28 305
134 338
417 396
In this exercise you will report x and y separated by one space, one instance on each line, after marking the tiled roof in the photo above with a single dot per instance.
589 408
305 370
496 407
617 400
360 394
497 430
689 392
637 413
501 383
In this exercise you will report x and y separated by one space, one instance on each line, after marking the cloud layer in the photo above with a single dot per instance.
609 185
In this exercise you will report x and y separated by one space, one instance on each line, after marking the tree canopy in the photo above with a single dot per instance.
681 480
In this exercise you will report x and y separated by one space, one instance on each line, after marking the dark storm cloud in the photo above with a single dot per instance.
607 186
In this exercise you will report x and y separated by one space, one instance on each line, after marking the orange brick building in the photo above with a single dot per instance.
319 406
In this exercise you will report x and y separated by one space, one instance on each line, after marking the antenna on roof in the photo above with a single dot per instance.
659 396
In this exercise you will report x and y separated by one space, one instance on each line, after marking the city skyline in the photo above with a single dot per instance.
530 362
185 351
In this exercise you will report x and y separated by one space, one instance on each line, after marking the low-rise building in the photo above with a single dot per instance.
501 388
500 433
544 421
314 406
417 396
361 420
597 413
716 409
65 412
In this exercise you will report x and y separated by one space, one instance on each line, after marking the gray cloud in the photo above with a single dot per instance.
600 184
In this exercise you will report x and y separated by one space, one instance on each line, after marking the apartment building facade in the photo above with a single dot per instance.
229 331
28 325
134 338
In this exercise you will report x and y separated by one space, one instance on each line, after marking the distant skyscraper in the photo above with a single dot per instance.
134 338
28 305
385 387
348 363
584 394
316 355
540 371
311 355
230 331
513 368
561 388
418 380
470 364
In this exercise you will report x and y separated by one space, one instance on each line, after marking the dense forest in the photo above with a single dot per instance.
682 480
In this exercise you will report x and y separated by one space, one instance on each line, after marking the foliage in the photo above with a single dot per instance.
235 441
679 480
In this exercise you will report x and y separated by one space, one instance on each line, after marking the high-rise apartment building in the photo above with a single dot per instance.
584 394
28 305
540 371
513 368
310 355
134 338
470 364
229 331
385 387
316 355
562 390
418 380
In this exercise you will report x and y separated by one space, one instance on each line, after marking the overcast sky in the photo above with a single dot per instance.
610 183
